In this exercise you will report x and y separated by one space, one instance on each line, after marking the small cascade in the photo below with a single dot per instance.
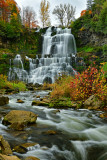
18 71
58 54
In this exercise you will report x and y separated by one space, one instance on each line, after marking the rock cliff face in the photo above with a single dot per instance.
89 38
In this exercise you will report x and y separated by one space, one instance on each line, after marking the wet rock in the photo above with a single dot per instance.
4 157
3 100
93 107
38 85
50 132
55 111
19 126
38 96
40 103
46 100
2 114
4 147
47 87
20 101
23 147
92 103
30 88
76 104
9 90
23 135
20 149
47 80
31 158
44 148
19 119
103 115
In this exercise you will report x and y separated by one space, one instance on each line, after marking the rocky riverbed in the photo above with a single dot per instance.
65 134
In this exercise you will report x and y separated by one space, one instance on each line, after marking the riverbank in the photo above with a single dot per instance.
91 103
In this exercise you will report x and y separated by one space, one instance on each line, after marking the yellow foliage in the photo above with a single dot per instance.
14 15
82 29
61 88
44 13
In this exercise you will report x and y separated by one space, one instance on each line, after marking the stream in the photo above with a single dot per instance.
80 134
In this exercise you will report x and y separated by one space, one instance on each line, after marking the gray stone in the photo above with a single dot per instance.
92 103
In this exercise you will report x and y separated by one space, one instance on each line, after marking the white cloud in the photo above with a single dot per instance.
79 4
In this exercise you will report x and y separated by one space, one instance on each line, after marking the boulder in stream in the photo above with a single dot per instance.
23 147
3 100
4 146
4 157
40 103
19 119
20 101
31 158
50 132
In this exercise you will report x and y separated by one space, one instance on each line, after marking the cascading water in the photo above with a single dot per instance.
58 50
80 134
18 71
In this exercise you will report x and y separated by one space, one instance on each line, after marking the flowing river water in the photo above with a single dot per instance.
80 134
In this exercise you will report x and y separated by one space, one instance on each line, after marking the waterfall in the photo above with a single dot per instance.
18 71
58 52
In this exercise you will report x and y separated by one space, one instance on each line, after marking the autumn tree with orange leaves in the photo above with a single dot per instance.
8 8
44 13
3 10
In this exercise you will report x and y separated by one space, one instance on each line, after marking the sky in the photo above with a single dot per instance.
35 4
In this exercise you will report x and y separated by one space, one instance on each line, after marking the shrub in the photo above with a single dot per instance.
4 55
3 80
89 82
12 85
20 85
61 88
105 50
100 86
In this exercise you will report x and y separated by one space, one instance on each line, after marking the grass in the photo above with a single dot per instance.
4 83
85 49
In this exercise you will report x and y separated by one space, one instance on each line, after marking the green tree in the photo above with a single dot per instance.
102 22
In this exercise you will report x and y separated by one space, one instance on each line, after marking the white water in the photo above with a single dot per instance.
18 71
81 134
57 54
